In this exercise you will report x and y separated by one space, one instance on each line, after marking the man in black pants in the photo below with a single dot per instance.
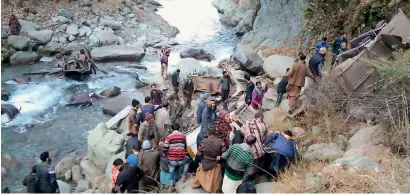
281 89
226 87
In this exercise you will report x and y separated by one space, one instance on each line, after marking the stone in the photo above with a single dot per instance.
62 40
367 150
63 27
188 66
245 25
28 26
117 53
107 38
64 187
80 99
316 130
84 31
23 57
368 135
297 132
90 169
234 11
198 54
76 173
341 141
160 44
129 16
276 65
72 29
114 105
248 59
72 38
115 25
94 42
43 36
85 2
62 20
67 175
322 151
65 164
9 161
73 48
172 42
108 169
51 48
82 186
65 13
4 33
111 92
126 11
19 42
356 163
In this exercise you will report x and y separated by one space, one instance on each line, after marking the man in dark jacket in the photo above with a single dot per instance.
283 149
128 179
316 63
226 86
208 117
249 89
202 105
188 90
337 44
175 81
46 175
131 141
148 107
156 95
281 89
30 181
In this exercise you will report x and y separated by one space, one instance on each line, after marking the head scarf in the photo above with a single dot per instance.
223 128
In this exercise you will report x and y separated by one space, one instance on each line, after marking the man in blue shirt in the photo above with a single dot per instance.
321 44
337 44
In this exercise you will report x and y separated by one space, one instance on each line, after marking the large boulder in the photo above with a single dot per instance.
76 174
43 36
23 57
64 187
115 25
276 65
353 164
19 42
322 151
189 65
114 105
245 25
248 59
368 135
111 92
235 11
106 38
65 164
90 169
198 54
28 26
52 47
367 150
72 29
79 99
117 52
65 13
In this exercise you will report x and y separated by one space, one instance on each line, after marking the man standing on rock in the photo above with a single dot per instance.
226 87
250 86
175 81
188 90
132 117
162 121
297 74
156 95
317 62
176 110
164 62
148 131
46 175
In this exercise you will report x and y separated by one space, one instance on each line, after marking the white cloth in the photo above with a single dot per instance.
230 186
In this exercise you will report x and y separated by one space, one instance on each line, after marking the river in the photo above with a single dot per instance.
46 124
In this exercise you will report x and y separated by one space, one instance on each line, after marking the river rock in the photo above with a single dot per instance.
19 42
316 130
9 161
64 187
4 33
72 29
108 169
51 47
28 26
234 11
160 44
245 25
248 59
65 164
90 169
65 13
106 38
276 65
114 105
353 164
62 20
118 53
76 173
72 38
82 186
367 150
172 42
43 36
126 11
189 65
84 31
62 40
198 54
115 25
80 99
322 151
67 175
23 57
368 135
111 92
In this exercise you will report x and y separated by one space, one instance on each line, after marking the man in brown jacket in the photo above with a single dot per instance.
148 131
132 116
297 74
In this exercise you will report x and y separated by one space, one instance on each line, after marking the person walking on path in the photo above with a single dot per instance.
31 181
257 95
317 62
175 81
148 131
132 117
188 90
321 44
250 86
162 121
164 62
297 74
202 105
176 110
337 44
281 89
283 150
226 87
148 162
46 175
175 148
239 166
156 95
223 127
256 128
208 116
209 172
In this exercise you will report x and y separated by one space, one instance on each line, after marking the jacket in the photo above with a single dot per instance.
161 120
248 92
132 120
128 178
208 116
175 79
297 74
188 87
316 64
130 143
225 83
146 108
282 85
46 176
281 144
337 44
202 105
143 133
31 182
156 97
148 162
321 44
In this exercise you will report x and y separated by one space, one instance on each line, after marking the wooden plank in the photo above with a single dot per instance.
112 123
